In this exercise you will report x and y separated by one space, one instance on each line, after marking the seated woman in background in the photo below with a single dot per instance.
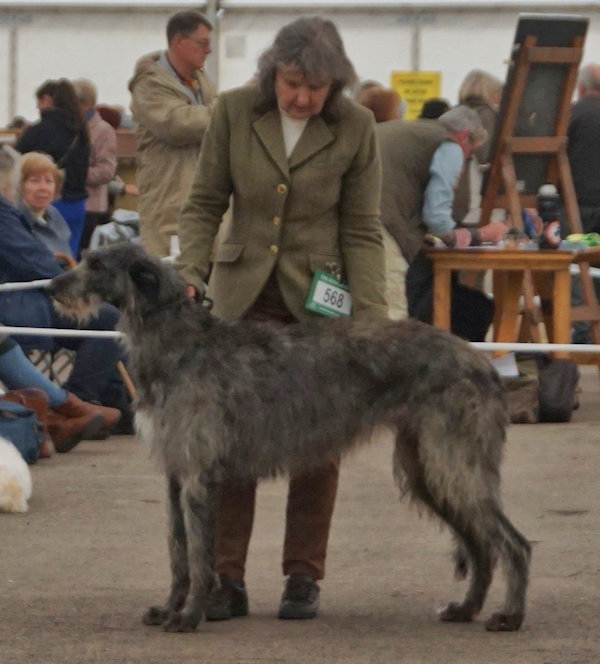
41 183
24 258
62 133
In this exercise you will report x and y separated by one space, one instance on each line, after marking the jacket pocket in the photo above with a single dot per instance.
228 252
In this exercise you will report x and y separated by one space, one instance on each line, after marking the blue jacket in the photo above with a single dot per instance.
54 234
24 258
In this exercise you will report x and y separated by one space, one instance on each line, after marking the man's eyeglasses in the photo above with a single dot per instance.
202 43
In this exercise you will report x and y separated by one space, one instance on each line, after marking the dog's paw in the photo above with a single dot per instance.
501 622
455 612
155 615
180 622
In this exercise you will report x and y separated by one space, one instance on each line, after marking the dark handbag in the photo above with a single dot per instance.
544 391
37 400
20 425
558 381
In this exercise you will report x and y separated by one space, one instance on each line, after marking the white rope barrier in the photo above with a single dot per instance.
594 271
487 346
58 332
113 334
493 346
24 285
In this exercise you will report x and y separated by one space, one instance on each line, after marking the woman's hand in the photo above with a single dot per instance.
192 293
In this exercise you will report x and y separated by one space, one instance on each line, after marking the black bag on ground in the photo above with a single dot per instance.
544 391
558 381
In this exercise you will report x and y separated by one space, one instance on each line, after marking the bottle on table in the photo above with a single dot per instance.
548 203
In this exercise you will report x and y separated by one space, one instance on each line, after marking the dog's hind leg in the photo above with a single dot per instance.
180 579
486 533
199 499
472 547
461 561
516 554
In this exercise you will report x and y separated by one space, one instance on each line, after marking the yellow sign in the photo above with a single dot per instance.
416 87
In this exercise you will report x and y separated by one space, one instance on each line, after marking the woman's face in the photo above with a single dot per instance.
296 96
44 103
38 191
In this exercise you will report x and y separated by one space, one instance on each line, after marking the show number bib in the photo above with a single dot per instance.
328 296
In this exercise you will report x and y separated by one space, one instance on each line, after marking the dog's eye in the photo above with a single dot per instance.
93 262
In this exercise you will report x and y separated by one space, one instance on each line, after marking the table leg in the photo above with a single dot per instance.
498 287
508 287
442 297
561 310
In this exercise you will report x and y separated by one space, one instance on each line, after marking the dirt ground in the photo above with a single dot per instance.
78 570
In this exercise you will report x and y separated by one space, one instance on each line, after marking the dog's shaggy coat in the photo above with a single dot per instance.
220 399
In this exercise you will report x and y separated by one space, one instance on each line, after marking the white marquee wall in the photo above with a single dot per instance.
104 43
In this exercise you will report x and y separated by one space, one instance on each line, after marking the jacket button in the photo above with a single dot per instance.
282 188
276 221
274 249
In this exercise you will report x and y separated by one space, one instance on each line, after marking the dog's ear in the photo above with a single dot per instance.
145 278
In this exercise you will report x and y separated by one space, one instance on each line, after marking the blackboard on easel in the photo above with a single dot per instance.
530 141
534 111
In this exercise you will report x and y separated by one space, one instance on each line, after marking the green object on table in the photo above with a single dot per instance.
587 239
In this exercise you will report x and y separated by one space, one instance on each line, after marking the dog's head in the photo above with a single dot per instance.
121 274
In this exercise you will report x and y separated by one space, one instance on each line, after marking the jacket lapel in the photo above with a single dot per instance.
316 136
268 130
205 88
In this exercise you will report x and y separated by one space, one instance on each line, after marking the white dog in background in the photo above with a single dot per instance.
15 479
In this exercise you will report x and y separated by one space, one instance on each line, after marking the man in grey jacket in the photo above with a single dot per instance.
422 162
171 103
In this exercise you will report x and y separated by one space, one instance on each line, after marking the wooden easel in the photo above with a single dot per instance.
502 189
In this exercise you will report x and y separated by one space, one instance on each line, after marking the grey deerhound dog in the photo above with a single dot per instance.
220 399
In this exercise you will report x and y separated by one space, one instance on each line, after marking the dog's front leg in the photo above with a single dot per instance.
180 577
198 499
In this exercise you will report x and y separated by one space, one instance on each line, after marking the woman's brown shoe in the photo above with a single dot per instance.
77 420
76 407
66 432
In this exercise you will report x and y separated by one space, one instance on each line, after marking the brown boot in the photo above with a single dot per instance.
66 432
76 407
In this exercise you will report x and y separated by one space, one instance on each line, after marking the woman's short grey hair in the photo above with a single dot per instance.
460 118
314 47
9 171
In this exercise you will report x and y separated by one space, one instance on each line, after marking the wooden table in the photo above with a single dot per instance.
508 270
